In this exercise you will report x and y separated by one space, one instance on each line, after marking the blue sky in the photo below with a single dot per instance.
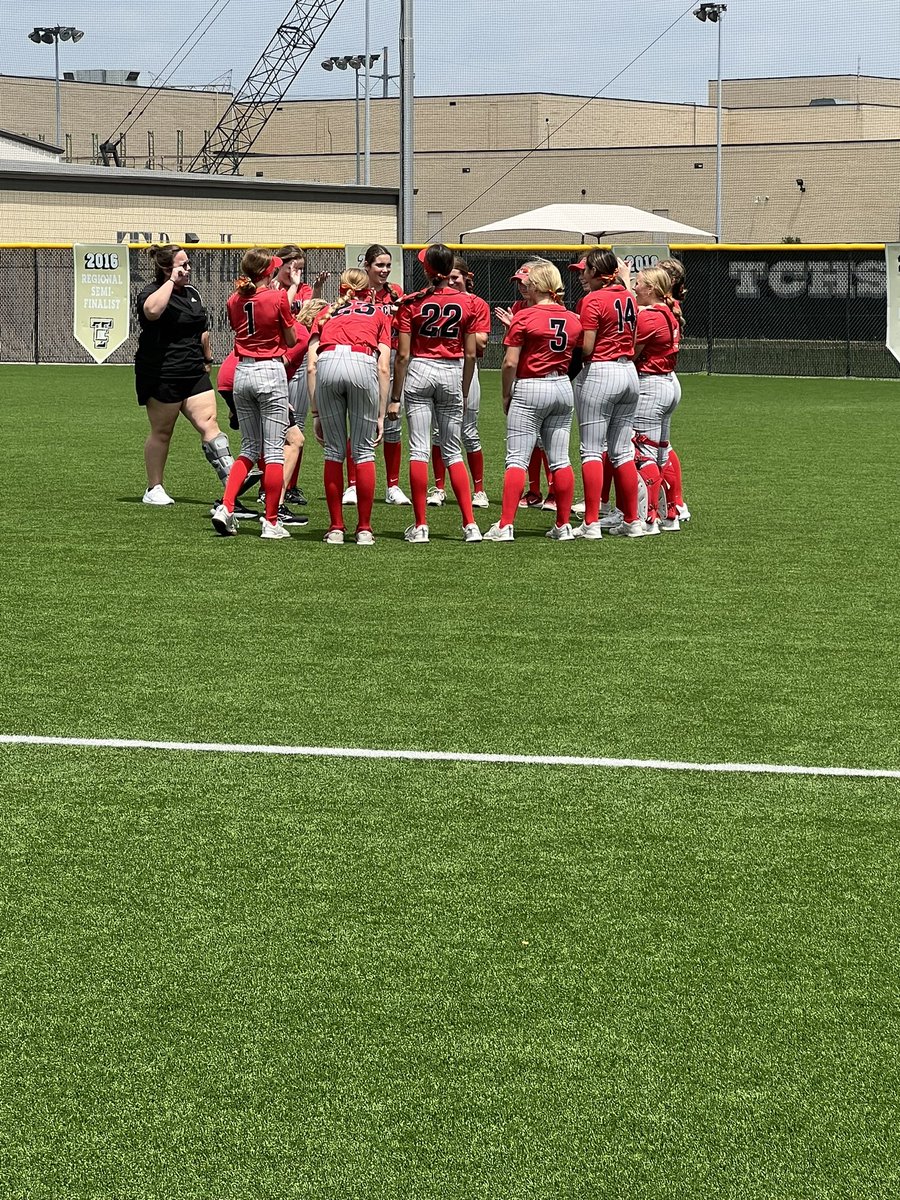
526 45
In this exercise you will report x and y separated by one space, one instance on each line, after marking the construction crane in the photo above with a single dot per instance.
265 87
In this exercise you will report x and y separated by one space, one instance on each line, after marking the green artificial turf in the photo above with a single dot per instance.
232 976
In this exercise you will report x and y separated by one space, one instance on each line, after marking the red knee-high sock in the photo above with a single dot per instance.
351 467
334 488
626 481
671 477
393 454
365 493
649 472
592 475
534 473
273 482
439 467
564 487
418 486
476 468
607 479
459 481
236 476
546 464
295 474
513 483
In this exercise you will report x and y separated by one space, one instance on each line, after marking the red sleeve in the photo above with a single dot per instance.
284 310
404 319
384 329
515 335
482 322
589 314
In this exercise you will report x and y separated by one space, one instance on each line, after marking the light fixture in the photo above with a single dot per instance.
35 35
710 12
77 35
65 33
327 65
341 64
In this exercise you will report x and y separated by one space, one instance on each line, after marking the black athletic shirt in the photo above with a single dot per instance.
170 347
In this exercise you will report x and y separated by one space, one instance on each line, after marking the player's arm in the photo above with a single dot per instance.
508 374
470 356
286 317
504 316
157 302
312 354
401 362
318 284
207 349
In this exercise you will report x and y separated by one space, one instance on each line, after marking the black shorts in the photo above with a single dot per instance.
170 391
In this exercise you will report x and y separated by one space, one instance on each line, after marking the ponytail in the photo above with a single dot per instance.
244 286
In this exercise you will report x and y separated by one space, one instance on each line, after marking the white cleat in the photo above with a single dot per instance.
480 500
436 497
591 532
629 529
224 522
157 496
669 524
349 496
273 531
365 537
560 533
471 533
684 513
578 508
416 533
396 495
334 537
611 519
651 527
500 533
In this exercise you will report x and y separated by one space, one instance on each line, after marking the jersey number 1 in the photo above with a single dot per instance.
626 316
251 324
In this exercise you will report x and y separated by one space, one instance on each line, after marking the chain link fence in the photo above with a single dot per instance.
788 311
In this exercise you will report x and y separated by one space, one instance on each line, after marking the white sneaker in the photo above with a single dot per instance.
669 524
396 495
611 519
578 508
651 527
416 533
560 533
365 537
334 537
436 497
683 511
592 532
500 533
349 496
480 500
273 531
549 504
157 496
631 529
223 521
472 533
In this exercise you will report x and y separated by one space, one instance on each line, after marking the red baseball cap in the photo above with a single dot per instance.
521 274
578 266
421 255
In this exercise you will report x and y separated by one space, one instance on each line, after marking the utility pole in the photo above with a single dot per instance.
407 121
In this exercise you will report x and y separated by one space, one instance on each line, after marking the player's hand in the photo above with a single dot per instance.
393 410
624 271
179 274
321 277
296 274
379 431
507 401
317 430
504 316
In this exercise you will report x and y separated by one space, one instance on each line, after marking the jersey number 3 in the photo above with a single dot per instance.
440 320
560 340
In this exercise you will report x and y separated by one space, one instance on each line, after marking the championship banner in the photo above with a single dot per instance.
102 298
640 257
356 255
892 254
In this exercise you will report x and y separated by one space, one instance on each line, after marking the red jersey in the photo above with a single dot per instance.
304 293
547 334
295 356
358 324
482 318
612 312
658 327
259 322
518 305
386 299
225 377
438 323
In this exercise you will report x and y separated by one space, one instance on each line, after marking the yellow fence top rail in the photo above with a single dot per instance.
570 248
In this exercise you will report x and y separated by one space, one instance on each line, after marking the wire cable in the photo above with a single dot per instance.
571 117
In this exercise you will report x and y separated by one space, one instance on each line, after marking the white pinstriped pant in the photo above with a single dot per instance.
606 398
347 392
540 408
658 399
432 391
261 402
298 395
470 439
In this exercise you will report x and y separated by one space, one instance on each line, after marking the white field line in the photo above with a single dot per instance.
540 760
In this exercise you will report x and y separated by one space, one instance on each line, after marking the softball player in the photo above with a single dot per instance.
676 509
263 325
433 372
658 341
386 296
537 398
349 374
606 394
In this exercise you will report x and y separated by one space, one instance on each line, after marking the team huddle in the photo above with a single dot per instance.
358 364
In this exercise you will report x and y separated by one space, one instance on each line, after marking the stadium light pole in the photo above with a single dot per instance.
714 13
356 62
407 120
53 35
